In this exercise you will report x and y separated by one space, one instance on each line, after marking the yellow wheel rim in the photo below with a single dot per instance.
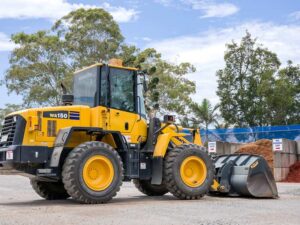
98 173
193 171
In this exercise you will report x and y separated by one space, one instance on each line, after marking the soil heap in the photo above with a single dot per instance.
294 174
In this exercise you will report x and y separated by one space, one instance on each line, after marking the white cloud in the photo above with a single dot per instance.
295 15
121 14
209 8
146 39
206 50
5 43
164 2
212 9
54 9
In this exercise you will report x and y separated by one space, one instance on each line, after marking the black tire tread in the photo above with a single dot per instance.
69 175
147 188
168 172
49 190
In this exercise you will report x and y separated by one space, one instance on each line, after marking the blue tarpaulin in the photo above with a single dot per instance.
250 134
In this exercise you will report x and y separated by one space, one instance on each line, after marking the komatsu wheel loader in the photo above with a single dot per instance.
99 138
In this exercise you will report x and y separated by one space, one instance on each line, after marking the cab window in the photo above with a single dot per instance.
85 87
122 89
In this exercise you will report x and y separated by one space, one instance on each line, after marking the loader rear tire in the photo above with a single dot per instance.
93 173
149 189
188 171
49 190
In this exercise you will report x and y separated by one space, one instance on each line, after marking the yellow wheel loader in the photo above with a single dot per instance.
100 137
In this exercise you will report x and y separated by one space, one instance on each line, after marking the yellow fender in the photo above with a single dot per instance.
163 141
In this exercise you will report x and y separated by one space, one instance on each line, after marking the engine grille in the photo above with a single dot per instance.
8 131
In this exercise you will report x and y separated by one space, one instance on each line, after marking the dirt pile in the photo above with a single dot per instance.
261 147
294 174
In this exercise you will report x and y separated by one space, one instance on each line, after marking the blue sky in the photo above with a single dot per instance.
183 30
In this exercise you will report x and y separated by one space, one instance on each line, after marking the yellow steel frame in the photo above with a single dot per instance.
170 134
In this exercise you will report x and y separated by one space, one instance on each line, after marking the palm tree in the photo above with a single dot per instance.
204 114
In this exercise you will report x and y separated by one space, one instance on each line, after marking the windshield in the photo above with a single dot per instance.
85 87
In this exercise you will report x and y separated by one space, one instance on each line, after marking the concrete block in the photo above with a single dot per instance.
293 159
220 147
298 149
285 145
277 174
289 146
280 173
234 147
284 173
227 149
293 147
281 160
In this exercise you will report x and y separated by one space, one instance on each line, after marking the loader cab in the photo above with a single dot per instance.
115 95
112 86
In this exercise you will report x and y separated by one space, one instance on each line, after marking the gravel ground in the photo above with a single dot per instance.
20 205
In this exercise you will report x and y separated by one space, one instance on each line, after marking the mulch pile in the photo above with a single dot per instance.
261 147
294 174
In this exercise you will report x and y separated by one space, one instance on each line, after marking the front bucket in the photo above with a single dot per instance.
245 175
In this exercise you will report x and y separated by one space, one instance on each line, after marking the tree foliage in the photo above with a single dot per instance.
37 67
204 114
90 36
253 90
283 98
167 86
83 37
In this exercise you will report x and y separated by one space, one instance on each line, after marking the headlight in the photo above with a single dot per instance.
15 118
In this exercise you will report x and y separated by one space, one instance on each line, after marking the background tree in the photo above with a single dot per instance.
83 37
37 68
204 114
168 86
283 97
243 84
90 35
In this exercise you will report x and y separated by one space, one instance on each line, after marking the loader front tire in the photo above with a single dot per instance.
49 190
149 189
93 173
188 171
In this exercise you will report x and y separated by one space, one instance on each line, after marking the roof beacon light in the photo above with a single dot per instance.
116 62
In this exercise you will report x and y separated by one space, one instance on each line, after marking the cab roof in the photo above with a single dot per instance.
110 65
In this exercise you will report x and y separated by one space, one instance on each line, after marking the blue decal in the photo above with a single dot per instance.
74 115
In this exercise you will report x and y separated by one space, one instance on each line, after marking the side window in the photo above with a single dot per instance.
122 89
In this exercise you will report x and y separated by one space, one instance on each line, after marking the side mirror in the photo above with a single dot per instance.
63 87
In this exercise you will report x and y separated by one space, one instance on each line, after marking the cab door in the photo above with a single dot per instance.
122 100
122 121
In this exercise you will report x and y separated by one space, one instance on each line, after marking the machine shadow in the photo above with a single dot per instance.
73 203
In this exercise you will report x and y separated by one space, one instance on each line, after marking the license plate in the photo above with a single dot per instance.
9 155
4 138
